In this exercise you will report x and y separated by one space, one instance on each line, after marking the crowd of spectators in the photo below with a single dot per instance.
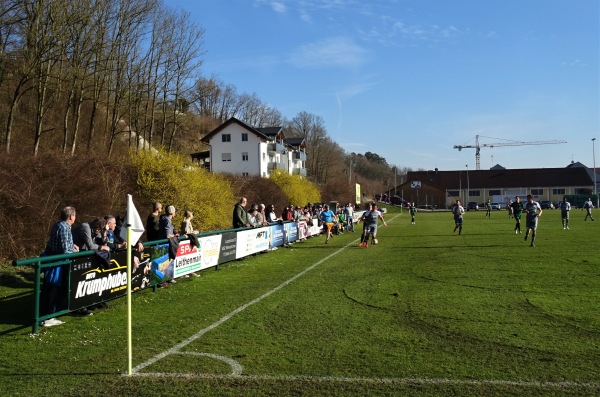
102 234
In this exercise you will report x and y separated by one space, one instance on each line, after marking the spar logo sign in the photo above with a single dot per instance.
188 259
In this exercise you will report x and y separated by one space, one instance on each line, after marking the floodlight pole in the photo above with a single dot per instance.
468 187
595 184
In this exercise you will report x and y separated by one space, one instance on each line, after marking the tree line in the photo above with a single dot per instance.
104 75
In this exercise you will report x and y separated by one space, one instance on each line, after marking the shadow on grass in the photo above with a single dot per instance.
17 308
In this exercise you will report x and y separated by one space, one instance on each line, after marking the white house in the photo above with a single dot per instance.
237 148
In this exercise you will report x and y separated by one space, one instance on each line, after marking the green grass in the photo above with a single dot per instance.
423 313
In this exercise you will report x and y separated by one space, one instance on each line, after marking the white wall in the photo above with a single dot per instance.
236 147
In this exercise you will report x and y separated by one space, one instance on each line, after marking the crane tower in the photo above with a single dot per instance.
478 146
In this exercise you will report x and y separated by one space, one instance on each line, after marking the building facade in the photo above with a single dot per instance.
441 188
238 148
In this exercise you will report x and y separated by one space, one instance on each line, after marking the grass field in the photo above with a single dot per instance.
424 313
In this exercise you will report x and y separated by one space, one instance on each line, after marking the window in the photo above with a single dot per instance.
558 191
244 174
495 193
474 193
226 156
537 192
264 156
244 156
226 138
244 137
453 193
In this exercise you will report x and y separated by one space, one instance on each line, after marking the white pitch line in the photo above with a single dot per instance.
390 381
236 368
240 309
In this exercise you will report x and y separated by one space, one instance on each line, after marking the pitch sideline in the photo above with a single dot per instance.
237 368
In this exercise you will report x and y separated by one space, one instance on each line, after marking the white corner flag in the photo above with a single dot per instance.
132 230
132 222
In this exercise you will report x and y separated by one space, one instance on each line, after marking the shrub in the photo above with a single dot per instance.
297 190
172 180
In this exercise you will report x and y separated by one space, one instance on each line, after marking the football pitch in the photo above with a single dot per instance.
425 312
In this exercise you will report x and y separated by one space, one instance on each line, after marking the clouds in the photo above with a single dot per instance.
330 52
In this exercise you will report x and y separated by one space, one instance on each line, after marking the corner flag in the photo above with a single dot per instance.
132 230
132 222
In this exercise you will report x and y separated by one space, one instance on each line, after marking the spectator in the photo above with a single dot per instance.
253 218
270 215
112 237
349 212
54 288
165 227
186 224
89 236
240 216
260 216
287 214
153 222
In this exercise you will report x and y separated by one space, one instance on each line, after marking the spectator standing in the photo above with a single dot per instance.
565 208
517 209
588 207
349 212
253 217
153 222
186 224
240 216
165 227
54 290
112 238
261 216
534 211
458 212
270 215
89 236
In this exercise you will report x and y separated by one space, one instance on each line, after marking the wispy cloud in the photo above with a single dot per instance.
278 7
332 52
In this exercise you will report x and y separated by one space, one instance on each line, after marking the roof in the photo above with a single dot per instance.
296 142
499 178
267 134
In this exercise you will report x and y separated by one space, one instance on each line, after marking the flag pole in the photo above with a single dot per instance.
129 342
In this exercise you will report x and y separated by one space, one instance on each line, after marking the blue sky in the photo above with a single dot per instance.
409 79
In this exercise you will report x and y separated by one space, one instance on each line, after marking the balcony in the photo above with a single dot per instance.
276 147
299 156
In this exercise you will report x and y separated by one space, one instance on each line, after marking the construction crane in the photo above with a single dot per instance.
478 147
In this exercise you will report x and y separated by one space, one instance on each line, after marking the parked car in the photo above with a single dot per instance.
496 206
546 204
472 205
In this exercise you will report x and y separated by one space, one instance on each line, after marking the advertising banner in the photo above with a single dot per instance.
94 279
227 247
276 236
187 260
252 241
211 248
291 232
